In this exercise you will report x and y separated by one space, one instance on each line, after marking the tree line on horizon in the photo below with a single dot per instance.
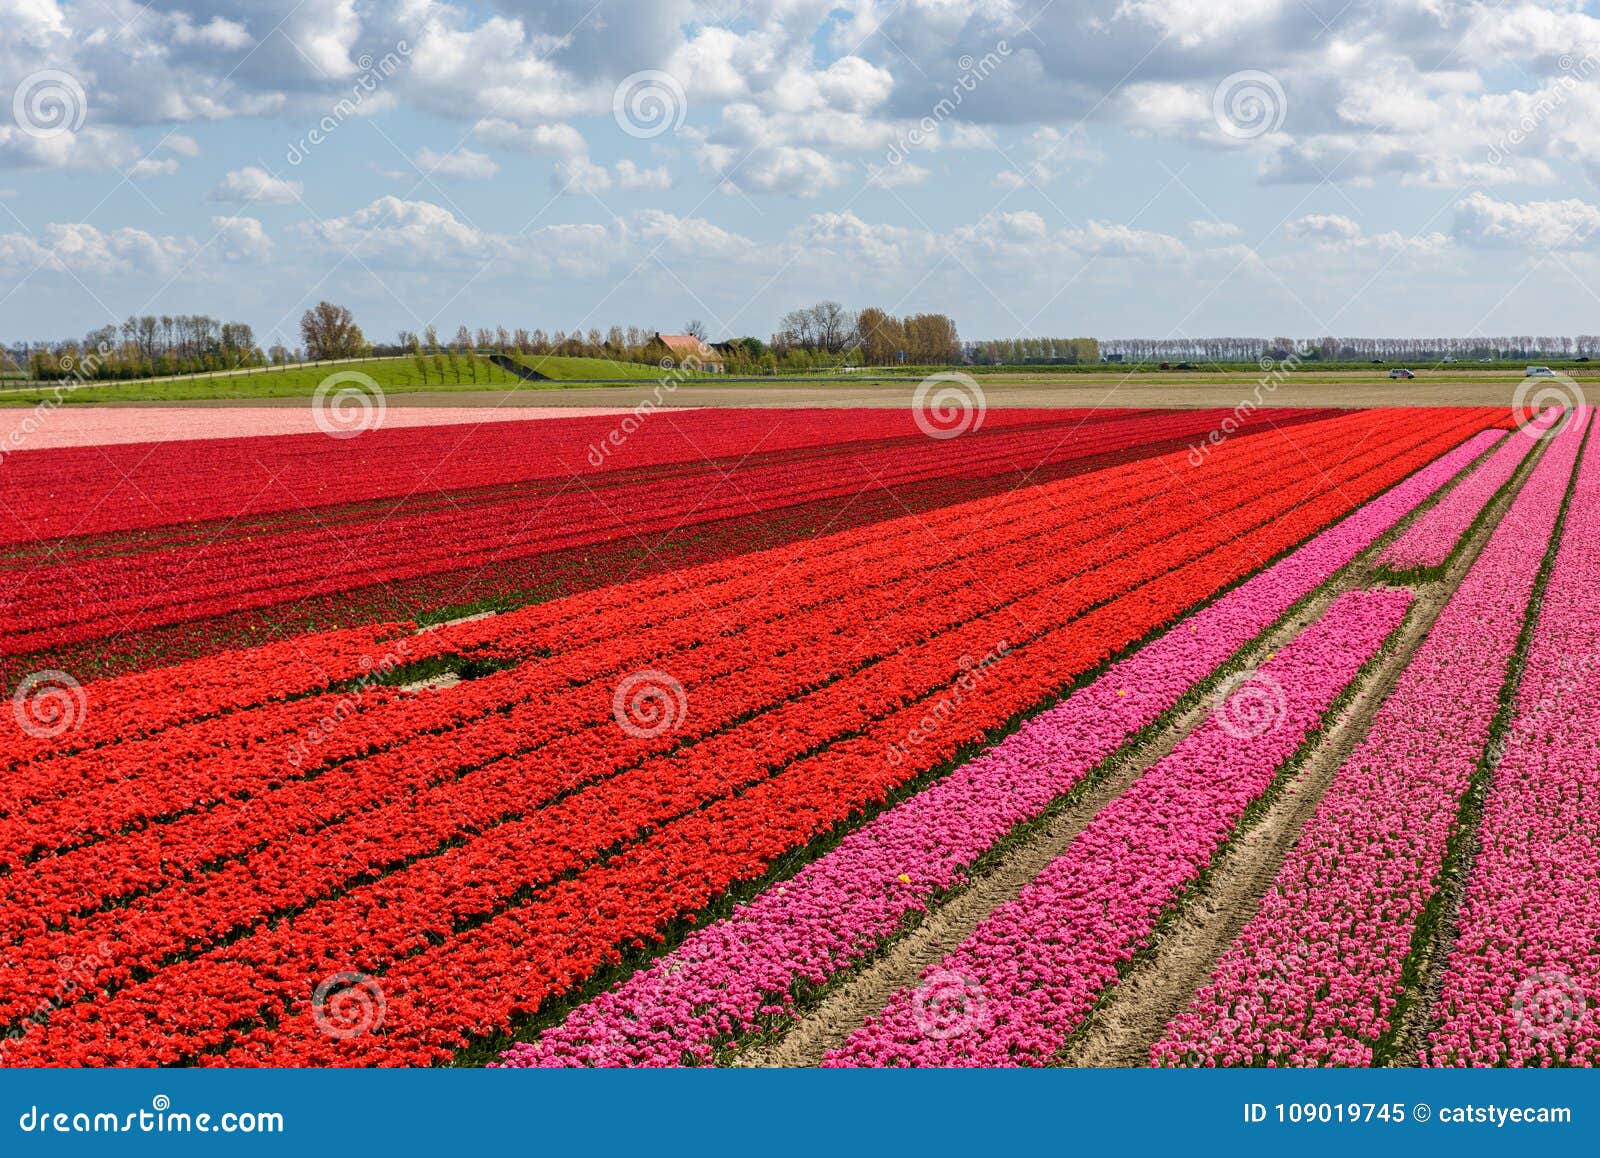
1333 349
826 335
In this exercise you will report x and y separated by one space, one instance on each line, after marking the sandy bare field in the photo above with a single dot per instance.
105 425
1096 390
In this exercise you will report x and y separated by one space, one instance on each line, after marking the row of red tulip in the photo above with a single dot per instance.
97 490
262 564
105 723
41 818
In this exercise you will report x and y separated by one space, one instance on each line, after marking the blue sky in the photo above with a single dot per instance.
1111 167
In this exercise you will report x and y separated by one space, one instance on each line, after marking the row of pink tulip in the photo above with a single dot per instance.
743 973
1317 975
1523 982
1429 541
1016 989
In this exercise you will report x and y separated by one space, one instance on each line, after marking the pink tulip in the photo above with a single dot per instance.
1522 986
1316 977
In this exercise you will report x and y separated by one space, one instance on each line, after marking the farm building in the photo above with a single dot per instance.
684 351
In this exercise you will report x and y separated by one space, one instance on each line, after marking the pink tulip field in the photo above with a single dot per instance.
1432 537
1523 979
1318 975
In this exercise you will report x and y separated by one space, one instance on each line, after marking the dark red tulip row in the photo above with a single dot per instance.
917 550
96 490
86 592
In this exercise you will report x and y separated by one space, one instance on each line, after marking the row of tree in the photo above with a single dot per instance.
617 343
147 345
872 336
166 345
1331 349
824 335
1022 351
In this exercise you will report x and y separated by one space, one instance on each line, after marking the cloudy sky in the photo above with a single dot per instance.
1061 167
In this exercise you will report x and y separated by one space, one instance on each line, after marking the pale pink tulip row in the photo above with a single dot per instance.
1523 983
1034 968
1315 977
1429 541
742 973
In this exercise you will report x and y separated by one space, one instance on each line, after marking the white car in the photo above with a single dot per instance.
1539 372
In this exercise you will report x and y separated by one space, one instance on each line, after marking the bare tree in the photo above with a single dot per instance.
835 326
329 332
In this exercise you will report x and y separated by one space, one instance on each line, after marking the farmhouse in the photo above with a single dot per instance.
684 351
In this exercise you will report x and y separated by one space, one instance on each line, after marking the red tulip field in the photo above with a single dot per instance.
811 737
